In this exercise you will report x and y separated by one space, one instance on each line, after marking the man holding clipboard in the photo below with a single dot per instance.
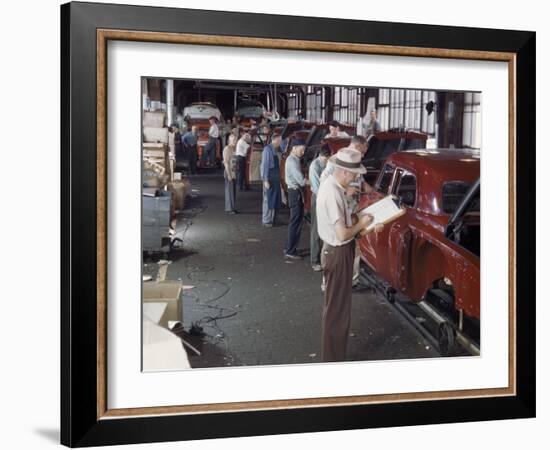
337 230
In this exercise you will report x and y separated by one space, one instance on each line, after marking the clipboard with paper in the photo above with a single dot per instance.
383 211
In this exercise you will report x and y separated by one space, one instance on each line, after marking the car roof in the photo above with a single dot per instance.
202 103
433 168
440 164
399 134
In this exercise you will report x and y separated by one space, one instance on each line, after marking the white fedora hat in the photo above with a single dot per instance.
348 159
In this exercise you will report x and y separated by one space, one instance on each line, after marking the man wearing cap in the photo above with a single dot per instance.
315 170
335 130
209 152
295 182
336 229
189 142
269 170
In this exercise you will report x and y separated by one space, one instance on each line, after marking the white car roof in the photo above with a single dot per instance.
201 111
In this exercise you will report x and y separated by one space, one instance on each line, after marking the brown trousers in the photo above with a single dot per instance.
337 263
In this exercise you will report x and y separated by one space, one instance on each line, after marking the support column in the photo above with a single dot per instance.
169 102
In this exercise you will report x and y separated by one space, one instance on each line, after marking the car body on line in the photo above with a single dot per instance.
434 248
380 146
250 113
198 114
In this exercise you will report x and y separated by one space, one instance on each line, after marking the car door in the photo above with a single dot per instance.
400 236
374 246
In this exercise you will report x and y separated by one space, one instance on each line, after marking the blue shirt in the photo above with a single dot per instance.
315 169
189 139
268 155
294 177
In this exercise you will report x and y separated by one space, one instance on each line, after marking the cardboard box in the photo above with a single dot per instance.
179 192
162 350
167 292
153 119
153 134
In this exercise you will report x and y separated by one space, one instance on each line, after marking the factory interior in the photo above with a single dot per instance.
220 288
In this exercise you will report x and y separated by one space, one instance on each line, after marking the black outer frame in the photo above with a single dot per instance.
79 424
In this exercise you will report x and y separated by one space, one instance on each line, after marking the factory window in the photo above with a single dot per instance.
294 106
315 104
428 112
345 105
353 96
406 108
471 131
413 109
397 103
383 110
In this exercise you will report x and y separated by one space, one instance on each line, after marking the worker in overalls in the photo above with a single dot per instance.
269 171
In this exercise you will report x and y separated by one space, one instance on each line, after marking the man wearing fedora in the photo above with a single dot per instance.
336 229
209 152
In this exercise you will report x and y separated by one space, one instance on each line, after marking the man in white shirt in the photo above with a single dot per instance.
209 151
373 126
358 143
337 230
335 130
243 145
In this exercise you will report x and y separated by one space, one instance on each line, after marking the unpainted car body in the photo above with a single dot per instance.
416 253
197 114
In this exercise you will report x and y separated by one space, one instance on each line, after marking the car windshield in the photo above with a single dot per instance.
195 112
250 111
380 149
452 194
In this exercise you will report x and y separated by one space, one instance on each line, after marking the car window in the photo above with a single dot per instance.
405 187
385 179
452 194
413 144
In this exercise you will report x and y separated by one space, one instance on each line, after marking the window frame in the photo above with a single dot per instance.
381 175
396 183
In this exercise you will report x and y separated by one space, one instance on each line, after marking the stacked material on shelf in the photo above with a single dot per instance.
154 119
155 135
155 221
154 130
153 174
157 153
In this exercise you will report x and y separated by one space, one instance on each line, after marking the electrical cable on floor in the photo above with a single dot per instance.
210 321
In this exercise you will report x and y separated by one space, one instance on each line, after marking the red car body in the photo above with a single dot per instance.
202 139
413 253
197 114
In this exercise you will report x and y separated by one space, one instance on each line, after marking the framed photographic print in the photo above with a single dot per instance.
279 224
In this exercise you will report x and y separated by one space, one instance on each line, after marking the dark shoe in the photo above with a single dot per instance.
231 212
293 257
267 225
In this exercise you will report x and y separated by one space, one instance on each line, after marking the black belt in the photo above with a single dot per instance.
337 246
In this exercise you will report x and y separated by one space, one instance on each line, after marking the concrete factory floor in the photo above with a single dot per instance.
255 308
